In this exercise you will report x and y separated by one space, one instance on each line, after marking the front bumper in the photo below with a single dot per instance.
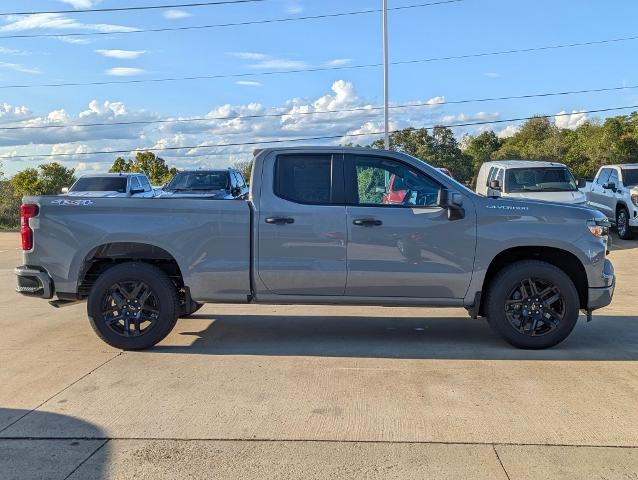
34 282
600 297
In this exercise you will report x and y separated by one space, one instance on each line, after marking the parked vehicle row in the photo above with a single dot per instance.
321 225
215 184
614 190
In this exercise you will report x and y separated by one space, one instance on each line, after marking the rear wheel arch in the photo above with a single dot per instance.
562 259
103 257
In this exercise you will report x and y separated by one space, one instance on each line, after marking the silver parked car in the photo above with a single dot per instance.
225 184
112 185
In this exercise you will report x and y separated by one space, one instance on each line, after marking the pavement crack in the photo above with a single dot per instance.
500 461
87 458
60 391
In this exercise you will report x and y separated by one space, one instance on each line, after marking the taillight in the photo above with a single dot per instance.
27 211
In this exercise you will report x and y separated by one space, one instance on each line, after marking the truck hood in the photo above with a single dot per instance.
570 198
95 194
541 209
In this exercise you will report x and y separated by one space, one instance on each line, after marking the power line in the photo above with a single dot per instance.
305 139
322 69
124 9
321 112
229 24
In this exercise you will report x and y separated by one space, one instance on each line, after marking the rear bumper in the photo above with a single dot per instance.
601 296
34 282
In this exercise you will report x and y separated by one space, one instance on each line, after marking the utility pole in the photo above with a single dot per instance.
386 110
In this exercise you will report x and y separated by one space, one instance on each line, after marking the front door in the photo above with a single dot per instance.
400 243
301 225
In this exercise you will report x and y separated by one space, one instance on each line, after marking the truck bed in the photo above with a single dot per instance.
208 239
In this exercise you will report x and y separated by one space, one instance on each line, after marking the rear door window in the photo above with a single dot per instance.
306 178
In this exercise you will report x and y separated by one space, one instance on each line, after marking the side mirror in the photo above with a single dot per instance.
581 183
610 186
453 202
235 191
136 191
65 190
495 185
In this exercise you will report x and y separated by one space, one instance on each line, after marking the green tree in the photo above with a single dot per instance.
481 148
153 166
440 149
47 179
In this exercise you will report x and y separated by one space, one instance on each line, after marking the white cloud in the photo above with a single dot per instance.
269 62
248 83
492 75
570 120
13 51
508 131
294 8
20 68
81 3
75 40
174 14
337 62
56 21
125 71
293 118
121 54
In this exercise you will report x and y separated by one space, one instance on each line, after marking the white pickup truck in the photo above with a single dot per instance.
614 192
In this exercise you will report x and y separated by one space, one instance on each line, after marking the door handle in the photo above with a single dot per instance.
367 222
280 220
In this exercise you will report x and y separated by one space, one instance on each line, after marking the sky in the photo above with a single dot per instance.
251 60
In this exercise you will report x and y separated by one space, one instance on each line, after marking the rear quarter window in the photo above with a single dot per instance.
304 178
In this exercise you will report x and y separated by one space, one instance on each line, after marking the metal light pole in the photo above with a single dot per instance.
386 110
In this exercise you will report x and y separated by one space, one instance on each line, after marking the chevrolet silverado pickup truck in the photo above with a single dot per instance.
317 228
614 192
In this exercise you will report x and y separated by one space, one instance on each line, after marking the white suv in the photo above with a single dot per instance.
614 192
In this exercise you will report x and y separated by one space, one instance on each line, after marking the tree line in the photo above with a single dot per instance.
583 149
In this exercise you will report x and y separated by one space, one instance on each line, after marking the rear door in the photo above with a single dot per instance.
403 247
301 225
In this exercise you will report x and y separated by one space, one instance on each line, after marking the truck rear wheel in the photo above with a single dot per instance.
532 304
133 306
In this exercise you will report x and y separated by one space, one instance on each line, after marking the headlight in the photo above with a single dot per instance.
598 227
634 199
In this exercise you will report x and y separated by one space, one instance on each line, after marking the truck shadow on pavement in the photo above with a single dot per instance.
42 445
605 338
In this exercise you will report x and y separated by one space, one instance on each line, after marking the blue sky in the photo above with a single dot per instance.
472 26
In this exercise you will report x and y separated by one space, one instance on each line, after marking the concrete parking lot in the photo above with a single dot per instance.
247 392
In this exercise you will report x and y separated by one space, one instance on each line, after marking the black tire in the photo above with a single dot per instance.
133 306
622 224
532 304
187 312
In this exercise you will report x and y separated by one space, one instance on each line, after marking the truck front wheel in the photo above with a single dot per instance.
622 224
532 304
133 306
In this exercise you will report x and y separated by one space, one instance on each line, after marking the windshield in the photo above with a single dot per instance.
630 177
100 184
199 181
540 179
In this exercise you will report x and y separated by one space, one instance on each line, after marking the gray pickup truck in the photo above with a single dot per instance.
321 226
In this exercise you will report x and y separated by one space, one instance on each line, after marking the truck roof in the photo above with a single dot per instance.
622 165
524 164
368 150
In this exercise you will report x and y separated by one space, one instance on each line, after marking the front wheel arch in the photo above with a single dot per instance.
562 259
